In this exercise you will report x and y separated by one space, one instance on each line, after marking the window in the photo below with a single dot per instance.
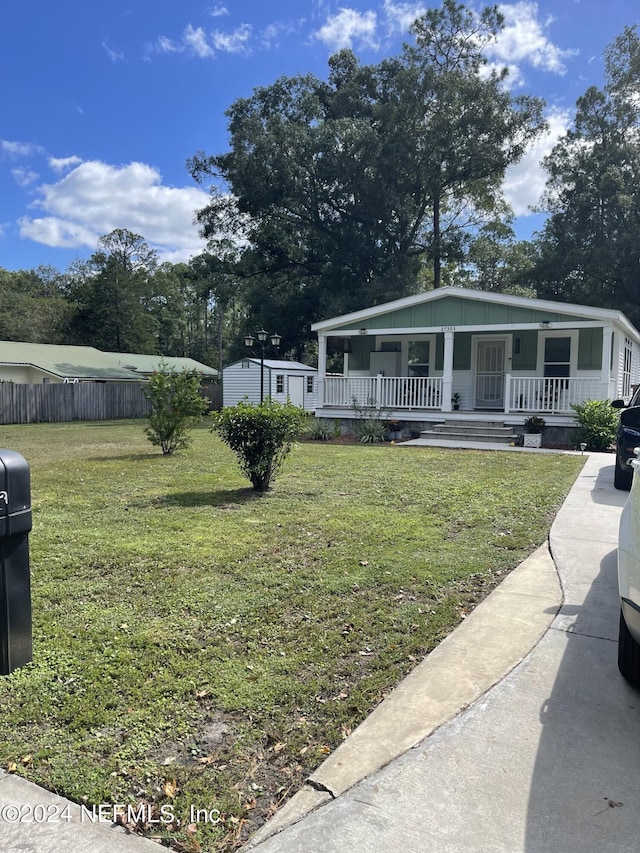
309 384
418 358
557 356
280 383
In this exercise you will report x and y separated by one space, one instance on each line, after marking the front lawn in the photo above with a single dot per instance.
197 644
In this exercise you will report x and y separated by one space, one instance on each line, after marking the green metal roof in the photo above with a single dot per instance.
146 364
73 362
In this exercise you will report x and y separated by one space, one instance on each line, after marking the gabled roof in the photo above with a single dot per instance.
76 362
147 364
65 362
276 364
568 309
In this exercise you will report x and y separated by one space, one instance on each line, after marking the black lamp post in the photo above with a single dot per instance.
262 336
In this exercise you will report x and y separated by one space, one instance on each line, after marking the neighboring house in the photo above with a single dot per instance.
27 363
281 380
496 357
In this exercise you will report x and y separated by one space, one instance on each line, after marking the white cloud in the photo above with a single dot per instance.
272 35
166 45
24 177
218 11
400 16
95 198
349 28
524 40
525 181
196 39
235 42
61 164
19 149
114 55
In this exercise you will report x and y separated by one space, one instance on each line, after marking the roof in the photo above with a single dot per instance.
566 308
67 362
149 363
75 362
275 364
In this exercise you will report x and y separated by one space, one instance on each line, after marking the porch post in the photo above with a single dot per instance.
605 377
447 372
322 368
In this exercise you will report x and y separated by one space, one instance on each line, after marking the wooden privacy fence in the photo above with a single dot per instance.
77 401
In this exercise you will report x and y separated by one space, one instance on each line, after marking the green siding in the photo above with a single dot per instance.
455 311
590 349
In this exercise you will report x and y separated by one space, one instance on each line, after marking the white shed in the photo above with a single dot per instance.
282 380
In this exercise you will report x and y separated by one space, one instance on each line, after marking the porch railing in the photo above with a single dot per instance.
385 392
530 394
547 395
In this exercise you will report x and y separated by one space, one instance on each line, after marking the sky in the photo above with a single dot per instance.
102 104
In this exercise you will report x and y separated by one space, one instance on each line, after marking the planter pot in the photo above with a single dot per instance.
532 439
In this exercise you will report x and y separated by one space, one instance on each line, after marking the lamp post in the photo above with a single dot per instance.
262 336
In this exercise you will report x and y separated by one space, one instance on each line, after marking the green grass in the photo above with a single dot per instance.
198 644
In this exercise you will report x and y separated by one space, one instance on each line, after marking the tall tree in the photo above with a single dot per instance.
588 249
339 188
34 305
113 295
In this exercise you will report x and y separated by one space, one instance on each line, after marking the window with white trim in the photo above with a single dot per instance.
309 384
279 383
418 355
557 356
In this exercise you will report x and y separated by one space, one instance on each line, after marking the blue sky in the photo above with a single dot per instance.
102 103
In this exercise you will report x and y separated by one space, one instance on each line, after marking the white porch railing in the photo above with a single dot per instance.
384 392
546 395
527 395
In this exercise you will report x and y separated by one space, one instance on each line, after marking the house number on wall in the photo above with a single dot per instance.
447 328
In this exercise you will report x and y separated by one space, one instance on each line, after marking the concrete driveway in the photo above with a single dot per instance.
547 760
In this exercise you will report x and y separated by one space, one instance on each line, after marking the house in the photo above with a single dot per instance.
493 357
27 363
280 380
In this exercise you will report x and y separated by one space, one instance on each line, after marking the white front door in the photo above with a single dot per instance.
490 358
296 390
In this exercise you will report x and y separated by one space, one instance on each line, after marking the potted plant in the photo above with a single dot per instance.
533 427
455 401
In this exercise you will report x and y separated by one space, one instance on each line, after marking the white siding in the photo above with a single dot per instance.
240 382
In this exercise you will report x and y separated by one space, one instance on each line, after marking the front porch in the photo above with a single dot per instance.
420 397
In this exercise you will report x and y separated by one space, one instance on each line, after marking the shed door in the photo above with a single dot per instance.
296 390
490 374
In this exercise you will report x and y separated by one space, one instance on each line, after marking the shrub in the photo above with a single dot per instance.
369 424
321 429
597 422
535 425
260 436
176 407
370 430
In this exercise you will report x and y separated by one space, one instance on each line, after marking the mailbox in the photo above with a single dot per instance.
15 581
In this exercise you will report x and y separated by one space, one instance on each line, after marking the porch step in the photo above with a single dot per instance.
466 431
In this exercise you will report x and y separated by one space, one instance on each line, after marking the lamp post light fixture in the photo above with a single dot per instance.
262 337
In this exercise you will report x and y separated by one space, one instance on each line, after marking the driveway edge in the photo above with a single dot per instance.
479 653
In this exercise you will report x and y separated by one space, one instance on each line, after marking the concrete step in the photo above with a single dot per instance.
471 437
488 429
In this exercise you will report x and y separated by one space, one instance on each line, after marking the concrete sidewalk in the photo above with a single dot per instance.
546 760
486 746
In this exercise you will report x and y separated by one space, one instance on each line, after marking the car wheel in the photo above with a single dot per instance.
628 654
622 477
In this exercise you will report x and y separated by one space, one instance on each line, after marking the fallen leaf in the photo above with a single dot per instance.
12 767
279 747
170 788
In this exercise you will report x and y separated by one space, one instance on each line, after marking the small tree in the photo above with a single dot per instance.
176 407
598 422
260 436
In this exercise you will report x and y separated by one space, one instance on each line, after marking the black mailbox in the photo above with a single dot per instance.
15 582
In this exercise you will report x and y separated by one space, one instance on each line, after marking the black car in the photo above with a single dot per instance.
627 438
